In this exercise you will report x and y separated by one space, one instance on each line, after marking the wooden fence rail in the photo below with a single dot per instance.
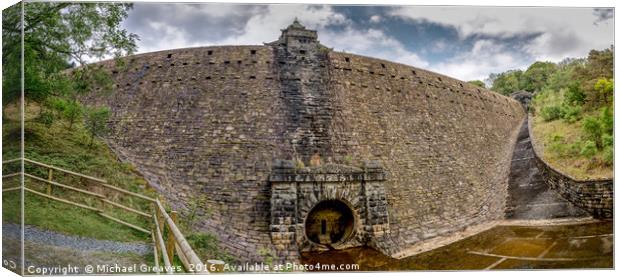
174 244
192 263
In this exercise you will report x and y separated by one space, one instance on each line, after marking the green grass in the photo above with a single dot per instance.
70 149
207 247
547 134
63 218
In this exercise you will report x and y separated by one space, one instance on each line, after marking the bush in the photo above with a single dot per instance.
604 89
596 127
574 148
70 110
608 155
73 112
574 95
606 118
96 122
592 130
608 149
557 144
571 114
57 105
567 112
207 247
608 140
551 113
46 118
589 149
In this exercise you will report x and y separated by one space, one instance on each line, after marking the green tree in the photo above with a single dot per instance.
605 90
506 82
598 66
536 76
564 75
477 83
58 36
599 128
96 122
72 111
574 94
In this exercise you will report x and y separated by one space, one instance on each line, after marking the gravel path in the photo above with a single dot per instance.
37 235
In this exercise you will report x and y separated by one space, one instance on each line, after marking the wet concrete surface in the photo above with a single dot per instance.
529 197
503 247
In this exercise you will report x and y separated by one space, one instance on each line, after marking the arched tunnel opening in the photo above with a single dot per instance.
330 222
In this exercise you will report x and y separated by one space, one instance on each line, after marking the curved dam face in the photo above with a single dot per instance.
405 154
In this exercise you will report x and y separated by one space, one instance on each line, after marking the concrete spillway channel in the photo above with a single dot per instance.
529 197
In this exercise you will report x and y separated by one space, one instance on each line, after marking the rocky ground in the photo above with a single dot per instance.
48 249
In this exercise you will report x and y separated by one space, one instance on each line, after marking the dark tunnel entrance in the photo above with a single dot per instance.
329 222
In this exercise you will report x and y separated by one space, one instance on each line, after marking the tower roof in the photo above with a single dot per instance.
296 25
296 33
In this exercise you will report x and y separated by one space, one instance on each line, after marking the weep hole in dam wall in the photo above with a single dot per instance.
206 126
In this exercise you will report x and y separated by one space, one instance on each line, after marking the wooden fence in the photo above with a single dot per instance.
161 223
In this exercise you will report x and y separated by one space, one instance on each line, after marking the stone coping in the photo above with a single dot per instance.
330 168
284 171
535 148
326 177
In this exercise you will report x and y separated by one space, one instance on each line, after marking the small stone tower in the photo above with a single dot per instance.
297 38
302 64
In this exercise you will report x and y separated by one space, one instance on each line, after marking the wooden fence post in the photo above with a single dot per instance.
102 203
170 242
153 234
50 175
160 217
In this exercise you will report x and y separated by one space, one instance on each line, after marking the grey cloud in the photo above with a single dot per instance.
564 43
603 14
200 23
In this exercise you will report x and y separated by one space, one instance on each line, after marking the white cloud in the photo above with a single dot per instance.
485 57
553 33
564 31
169 37
373 43
265 25
253 25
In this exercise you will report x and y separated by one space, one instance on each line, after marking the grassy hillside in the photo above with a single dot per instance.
567 143
57 145
561 145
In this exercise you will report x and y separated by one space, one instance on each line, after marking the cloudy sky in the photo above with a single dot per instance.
463 42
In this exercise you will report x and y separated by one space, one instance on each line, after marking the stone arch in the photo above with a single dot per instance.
330 223
347 193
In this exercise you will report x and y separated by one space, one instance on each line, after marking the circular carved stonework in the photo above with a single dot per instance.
329 223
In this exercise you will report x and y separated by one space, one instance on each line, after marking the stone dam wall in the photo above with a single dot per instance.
206 125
